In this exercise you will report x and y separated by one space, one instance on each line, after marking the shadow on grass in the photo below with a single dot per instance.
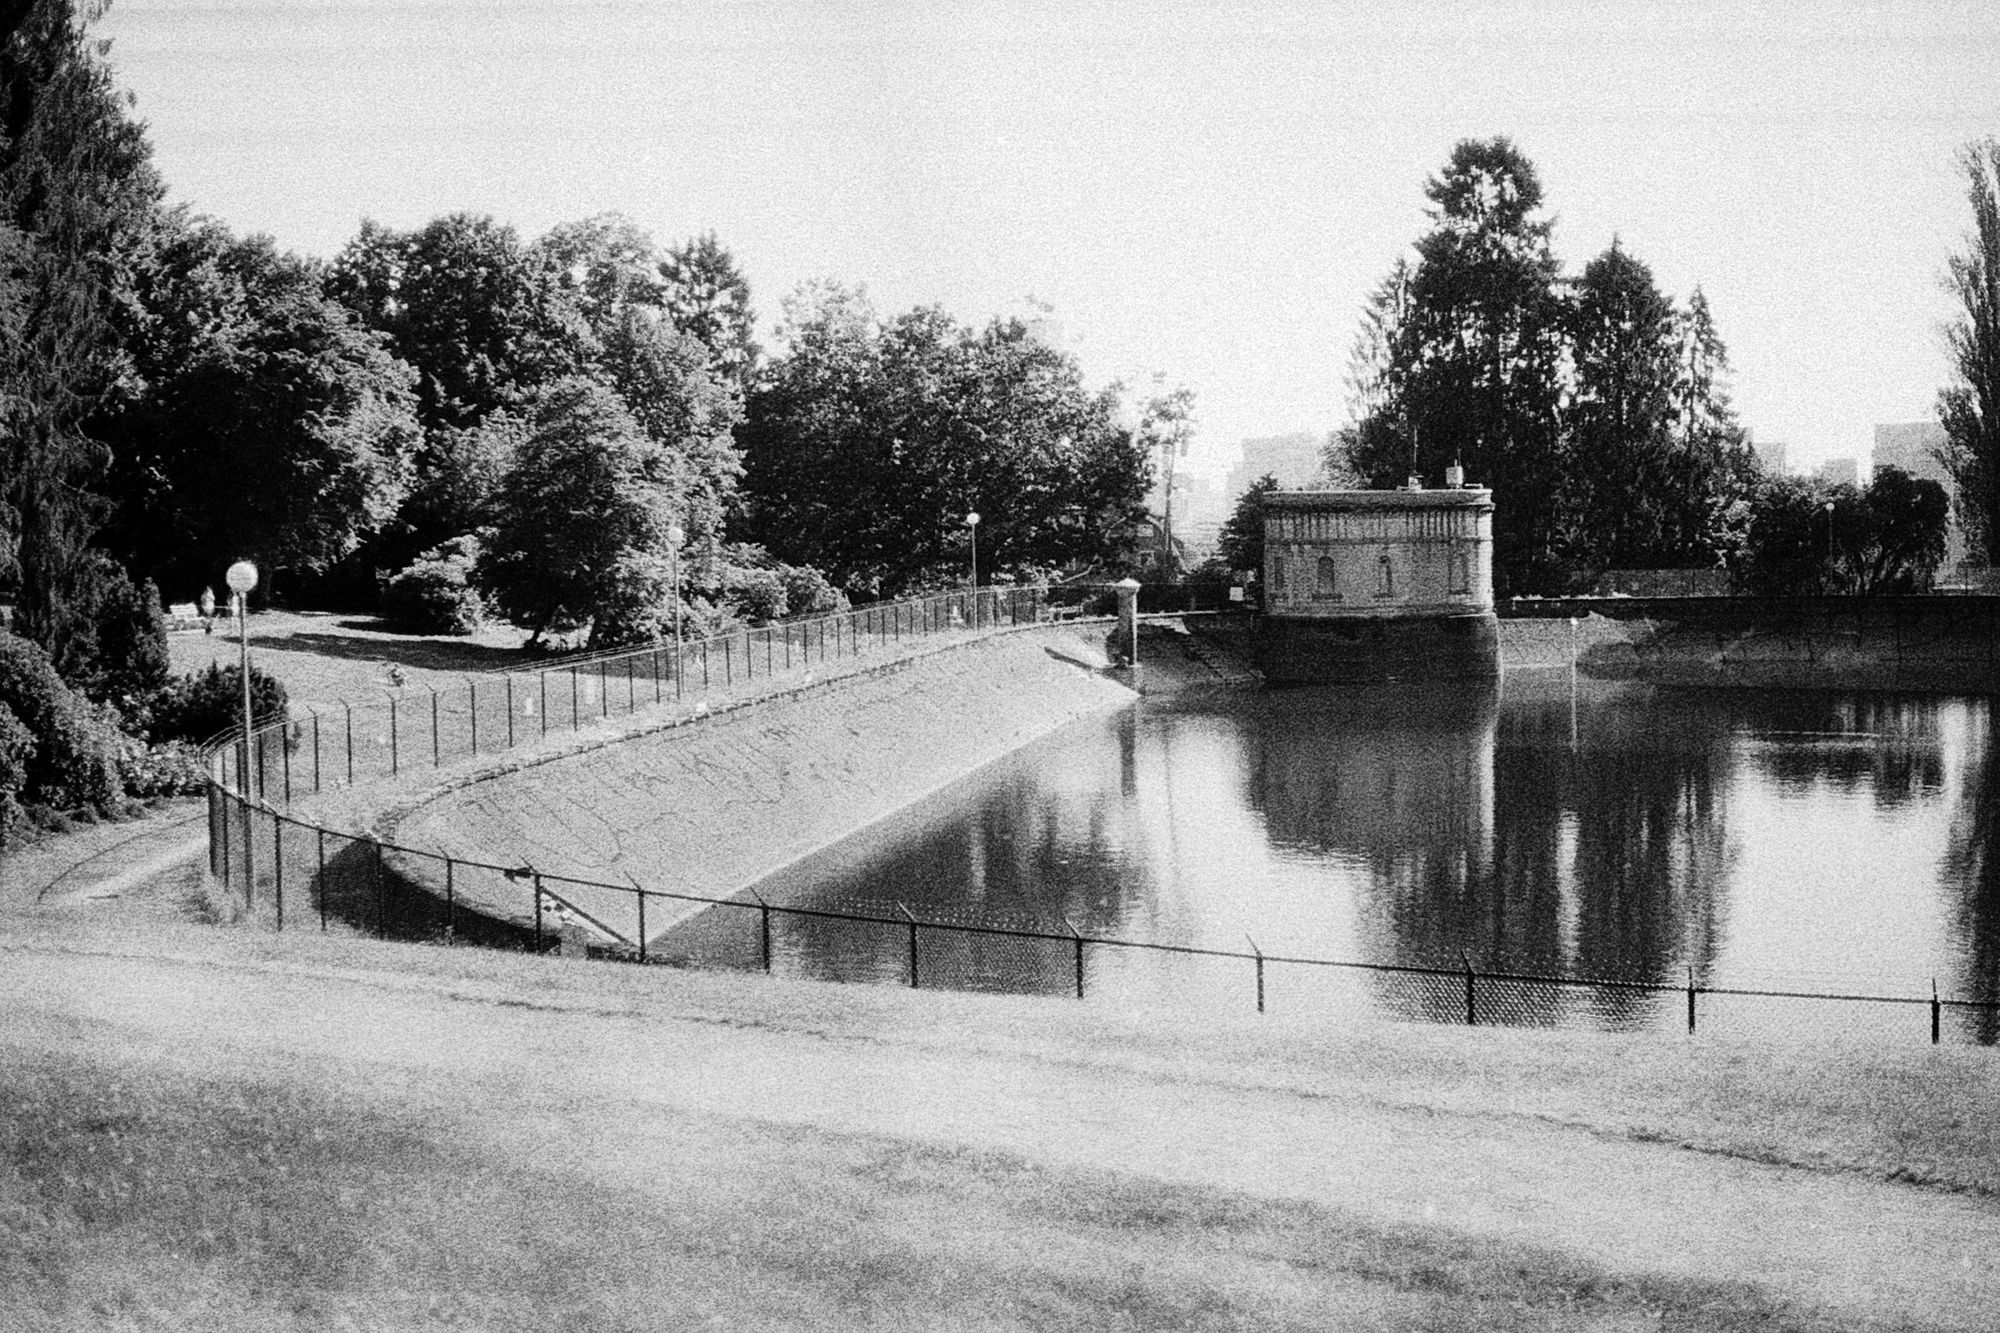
430 654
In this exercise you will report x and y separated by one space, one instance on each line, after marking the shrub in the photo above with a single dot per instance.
809 592
197 707
757 595
16 744
435 594
172 768
73 762
131 659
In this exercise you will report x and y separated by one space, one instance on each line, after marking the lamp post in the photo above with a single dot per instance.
242 577
972 528
675 536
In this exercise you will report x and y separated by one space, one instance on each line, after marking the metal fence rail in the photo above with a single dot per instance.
305 872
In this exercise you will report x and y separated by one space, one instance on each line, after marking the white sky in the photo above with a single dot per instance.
1202 192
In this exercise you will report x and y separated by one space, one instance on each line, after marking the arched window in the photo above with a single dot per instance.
1277 573
1326 585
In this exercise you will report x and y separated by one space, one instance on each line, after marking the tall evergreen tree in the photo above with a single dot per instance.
1476 372
1970 406
1620 417
76 189
708 298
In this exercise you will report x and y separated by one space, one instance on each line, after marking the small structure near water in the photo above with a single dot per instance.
1378 585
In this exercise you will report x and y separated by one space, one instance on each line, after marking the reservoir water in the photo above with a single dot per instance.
1548 825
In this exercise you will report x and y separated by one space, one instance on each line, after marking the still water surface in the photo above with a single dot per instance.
1785 841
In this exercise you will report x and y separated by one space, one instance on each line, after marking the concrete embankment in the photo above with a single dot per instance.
710 808
1908 643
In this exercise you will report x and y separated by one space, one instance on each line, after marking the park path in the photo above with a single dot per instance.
127 865
540 1061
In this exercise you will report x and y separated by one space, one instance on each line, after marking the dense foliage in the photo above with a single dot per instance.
1593 407
436 594
1969 407
870 441
1241 545
1805 538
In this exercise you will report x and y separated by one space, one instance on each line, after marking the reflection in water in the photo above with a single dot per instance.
1610 831
1972 864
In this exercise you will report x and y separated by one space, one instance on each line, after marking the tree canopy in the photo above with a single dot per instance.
1969 407
1595 410
868 442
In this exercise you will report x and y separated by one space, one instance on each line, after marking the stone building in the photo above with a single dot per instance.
1373 585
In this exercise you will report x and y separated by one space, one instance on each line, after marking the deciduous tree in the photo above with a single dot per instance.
581 537
1969 407
868 443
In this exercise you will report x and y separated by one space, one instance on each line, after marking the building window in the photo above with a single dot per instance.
1385 583
1461 569
1326 587
1277 575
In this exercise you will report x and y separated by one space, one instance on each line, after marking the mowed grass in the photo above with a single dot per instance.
137 1194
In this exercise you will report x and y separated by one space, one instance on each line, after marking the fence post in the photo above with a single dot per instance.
575 712
350 743
913 943
227 815
653 659
1935 1012
1690 1002
315 718
1260 973
1077 935
450 899
1471 1012
729 660
472 702
322 879
381 896
285 755
704 666
642 919
764 930
604 689
249 852
437 752
278 865
767 652
537 877
395 758
631 691
542 680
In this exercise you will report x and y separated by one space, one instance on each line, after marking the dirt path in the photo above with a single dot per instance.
543 1059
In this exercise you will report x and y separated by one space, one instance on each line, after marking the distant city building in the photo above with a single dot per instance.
1839 472
1293 459
1772 456
1914 447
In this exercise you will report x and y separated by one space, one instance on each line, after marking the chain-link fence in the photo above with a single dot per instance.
295 872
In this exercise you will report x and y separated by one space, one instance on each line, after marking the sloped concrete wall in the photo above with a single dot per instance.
715 806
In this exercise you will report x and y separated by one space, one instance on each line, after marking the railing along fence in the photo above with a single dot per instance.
306 872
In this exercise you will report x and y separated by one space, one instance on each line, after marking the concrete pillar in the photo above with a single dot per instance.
1128 619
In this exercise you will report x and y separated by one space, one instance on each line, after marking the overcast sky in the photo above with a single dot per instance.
1202 192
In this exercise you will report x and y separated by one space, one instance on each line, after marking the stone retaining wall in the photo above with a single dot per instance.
715 806
1911 643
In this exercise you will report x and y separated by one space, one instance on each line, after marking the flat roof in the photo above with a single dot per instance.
1465 497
